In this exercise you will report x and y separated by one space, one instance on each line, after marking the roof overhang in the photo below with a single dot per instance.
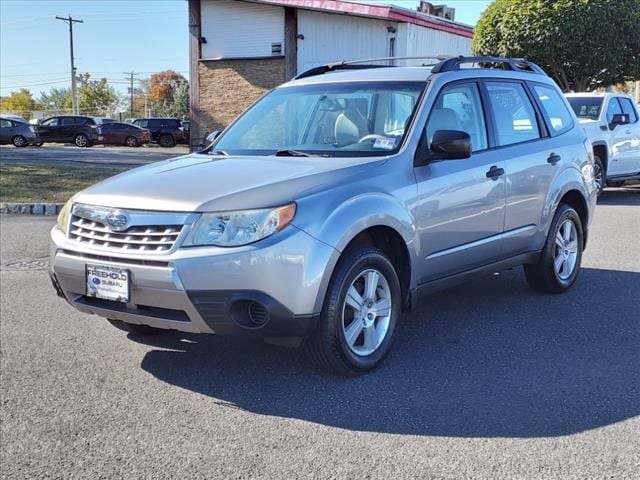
382 12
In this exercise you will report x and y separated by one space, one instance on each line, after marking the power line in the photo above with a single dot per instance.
74 99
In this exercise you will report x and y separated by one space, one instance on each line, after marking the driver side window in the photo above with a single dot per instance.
613 109
458 107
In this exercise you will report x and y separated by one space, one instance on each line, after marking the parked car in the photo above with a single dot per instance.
117 133
19 134
612 123
103 120
331 204
186 129
166 131
14 117
82 131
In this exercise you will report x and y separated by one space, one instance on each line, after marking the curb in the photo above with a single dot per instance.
31 208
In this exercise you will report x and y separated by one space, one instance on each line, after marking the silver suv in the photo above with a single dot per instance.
325 209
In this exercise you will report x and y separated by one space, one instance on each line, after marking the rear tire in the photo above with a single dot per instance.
167 141
82 141
19 141
135 328
599 174
559 263
359 315
131 142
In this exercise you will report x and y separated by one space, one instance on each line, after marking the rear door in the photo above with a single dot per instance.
461 204
532 159
67 129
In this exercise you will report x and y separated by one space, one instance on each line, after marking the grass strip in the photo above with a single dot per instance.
33 183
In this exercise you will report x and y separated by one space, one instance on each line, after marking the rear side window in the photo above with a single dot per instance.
155 124
514 116
458 107
627 107
67 121
555 110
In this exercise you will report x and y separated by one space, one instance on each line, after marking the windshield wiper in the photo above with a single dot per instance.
291 153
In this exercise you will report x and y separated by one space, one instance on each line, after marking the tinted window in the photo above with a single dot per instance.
141 123
627 107
613 109
52 122
558 116
458 107
67 121
155 124
513 113
586 107
85 121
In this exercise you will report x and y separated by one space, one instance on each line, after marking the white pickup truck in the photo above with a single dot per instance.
612 123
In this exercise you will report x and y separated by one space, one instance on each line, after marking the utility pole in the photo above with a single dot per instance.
131 75
74 97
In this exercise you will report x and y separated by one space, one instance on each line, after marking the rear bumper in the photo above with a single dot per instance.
269 292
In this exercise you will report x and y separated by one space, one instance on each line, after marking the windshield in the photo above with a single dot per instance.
345 119
586 107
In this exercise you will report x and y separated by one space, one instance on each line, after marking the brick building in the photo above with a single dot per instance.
241 48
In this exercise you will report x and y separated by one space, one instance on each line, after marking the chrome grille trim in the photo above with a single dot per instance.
146 232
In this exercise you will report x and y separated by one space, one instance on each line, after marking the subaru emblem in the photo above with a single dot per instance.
117 221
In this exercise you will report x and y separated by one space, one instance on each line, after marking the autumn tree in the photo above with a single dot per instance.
163 87
582 44
20 103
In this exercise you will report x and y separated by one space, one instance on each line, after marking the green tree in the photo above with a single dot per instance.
56 99
20 103
582 44
179 108
96 96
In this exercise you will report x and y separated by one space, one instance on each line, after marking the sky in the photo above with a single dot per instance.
117 36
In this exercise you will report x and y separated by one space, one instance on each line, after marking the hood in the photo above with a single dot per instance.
203 183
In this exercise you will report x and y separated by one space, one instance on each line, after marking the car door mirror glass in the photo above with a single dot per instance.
450 145
619 119
212 136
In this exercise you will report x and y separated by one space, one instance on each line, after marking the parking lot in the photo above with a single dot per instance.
63 155
485 380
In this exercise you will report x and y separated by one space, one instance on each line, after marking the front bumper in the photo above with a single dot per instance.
272 289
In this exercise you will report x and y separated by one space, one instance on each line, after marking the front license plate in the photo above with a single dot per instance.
110 283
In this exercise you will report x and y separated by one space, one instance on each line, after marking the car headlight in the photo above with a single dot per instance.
232 229
64 216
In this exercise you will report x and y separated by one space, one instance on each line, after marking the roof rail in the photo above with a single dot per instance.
361 64
515 64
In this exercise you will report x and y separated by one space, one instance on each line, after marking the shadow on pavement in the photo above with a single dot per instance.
486 359
620 196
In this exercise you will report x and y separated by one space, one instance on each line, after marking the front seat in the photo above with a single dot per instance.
351 124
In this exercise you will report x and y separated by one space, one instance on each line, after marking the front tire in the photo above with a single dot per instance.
559 264
19 141
359 315
135 328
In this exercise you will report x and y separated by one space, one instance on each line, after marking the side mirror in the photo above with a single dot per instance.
212 136
450 145
619 119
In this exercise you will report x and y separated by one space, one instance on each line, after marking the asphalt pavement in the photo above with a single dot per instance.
485 380
99 155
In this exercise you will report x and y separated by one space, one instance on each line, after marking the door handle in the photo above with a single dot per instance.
554 158
494 172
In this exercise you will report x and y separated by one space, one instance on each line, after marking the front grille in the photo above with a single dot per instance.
136 239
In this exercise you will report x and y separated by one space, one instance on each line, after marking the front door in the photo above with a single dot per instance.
461 206
49 130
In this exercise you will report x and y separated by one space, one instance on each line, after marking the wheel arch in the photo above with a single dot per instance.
601 150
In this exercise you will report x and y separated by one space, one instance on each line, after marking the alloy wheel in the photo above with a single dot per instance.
566 250
366 313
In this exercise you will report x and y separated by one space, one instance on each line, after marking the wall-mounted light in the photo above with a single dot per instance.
391 29
300 36
203 40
